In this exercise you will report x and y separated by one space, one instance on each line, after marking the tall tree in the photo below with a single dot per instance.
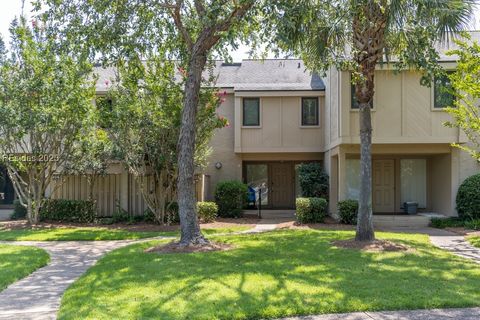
45 105
143 121
357 35
189 31
465 87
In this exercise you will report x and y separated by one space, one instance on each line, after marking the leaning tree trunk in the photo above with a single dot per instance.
190 229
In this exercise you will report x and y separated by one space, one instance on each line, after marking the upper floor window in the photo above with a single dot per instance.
251 112
310 111
443 94
354 102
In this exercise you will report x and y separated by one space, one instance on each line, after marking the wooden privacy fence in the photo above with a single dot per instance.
112 192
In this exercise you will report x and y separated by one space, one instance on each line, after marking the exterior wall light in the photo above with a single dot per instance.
218 165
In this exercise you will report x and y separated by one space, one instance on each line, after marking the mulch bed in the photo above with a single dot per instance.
372 246
174 247
463 232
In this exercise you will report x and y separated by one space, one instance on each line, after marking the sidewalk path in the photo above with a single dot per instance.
457 245
38 295
433 314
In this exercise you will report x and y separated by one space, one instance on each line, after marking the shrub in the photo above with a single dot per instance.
348 210
311 210
19 211
442 223
231 197
207 211
473 224
313 180
468 198
68 210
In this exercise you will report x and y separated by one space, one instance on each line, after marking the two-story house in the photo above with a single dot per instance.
281 115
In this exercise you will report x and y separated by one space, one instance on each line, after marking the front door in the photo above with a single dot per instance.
281 185
383 186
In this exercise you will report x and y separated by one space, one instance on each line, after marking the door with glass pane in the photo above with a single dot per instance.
383 177
256 176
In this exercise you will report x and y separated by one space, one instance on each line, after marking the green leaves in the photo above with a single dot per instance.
466 83
46 99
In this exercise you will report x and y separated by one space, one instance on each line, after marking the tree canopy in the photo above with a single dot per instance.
45 106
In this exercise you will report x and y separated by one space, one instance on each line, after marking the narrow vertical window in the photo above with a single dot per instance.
251 111
310 112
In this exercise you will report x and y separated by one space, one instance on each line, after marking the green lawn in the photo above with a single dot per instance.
270 275
16 262
474 240
95 233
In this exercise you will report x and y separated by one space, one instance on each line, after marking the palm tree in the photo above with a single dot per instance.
357 35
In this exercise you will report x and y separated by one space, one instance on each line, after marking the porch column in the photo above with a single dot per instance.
342 171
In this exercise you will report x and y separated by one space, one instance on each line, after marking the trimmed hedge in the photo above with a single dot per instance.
82 211
455 222
313 180
231 197
207 211
468 198
311 210
19 211
348 210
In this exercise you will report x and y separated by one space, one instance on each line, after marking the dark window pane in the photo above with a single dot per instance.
251 112
7 193
443 92
309 111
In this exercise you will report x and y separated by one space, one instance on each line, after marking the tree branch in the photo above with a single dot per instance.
200 8
177 19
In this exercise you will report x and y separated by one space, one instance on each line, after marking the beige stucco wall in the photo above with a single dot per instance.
280 127
403 111
222 150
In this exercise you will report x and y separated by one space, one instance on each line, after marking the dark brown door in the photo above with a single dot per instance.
281 185
383 186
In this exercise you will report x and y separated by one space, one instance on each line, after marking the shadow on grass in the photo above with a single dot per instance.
16 262
95 233
272 275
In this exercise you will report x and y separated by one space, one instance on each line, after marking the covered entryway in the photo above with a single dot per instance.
275 180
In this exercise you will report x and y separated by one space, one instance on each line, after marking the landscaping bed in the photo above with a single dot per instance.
45 231
272 275
16 262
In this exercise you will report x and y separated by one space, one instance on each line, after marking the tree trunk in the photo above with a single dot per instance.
187 206
369 25
364 223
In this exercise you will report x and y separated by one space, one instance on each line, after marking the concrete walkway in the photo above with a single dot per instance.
457 245
38 295
433 314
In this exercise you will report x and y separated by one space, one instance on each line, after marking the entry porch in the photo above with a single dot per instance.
400 173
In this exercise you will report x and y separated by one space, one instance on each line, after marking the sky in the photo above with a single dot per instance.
11 8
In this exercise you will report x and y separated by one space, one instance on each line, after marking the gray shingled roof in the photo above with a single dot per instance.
271 74
267 75
250 75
